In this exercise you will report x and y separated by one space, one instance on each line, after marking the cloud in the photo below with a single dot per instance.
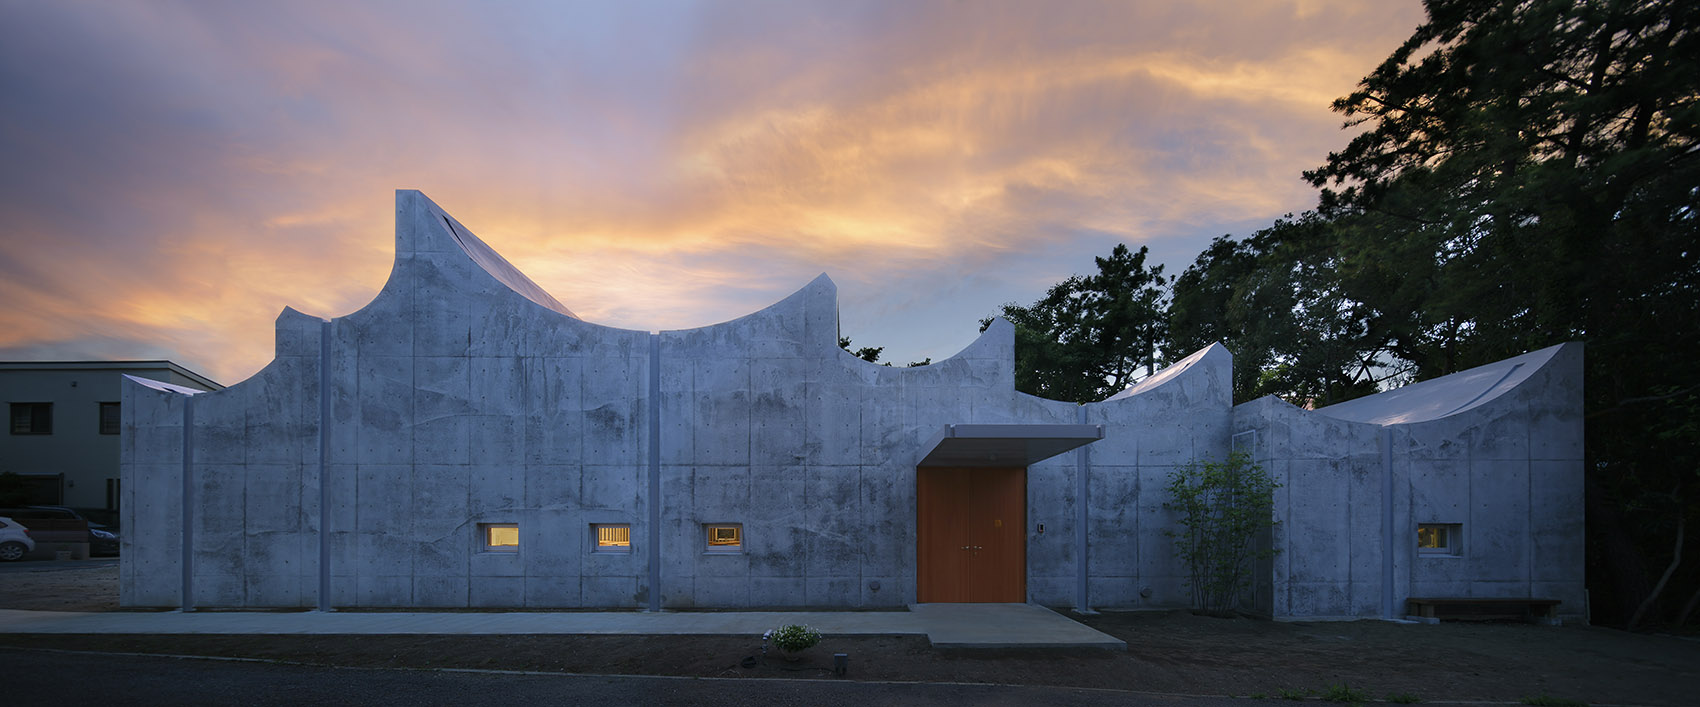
180 171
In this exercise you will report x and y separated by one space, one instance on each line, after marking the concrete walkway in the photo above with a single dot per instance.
945 625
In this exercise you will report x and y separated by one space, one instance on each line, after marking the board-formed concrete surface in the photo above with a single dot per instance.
1494 451
361 467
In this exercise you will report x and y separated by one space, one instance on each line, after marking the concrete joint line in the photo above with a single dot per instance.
654 472
188 598
1082 515
324 465
1387 544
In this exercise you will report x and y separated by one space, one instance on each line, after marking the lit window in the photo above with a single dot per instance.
1442 539
612 538
32 418
109 418
499 537
725 537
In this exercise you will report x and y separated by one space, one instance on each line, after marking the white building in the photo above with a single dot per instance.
64 425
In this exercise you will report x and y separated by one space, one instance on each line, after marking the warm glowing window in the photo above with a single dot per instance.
612 537
725 537
1440 539
499 537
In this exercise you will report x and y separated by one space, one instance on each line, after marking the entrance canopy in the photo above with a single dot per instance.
1004 445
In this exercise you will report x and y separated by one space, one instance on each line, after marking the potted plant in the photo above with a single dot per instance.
793 639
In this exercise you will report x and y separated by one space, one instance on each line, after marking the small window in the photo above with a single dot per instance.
32 418
611 538
1440 539
499 537
109 418
725 537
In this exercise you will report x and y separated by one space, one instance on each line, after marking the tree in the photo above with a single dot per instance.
1223 507
1208 306
871 354
1527 173
1275 302
1086 339
1530 174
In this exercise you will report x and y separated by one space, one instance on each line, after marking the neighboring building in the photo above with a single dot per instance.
466 441
64 433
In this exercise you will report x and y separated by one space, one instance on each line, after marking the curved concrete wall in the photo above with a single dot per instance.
1495 450
356 468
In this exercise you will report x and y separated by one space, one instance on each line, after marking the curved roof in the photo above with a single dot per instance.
498 267
1167 374
1443 396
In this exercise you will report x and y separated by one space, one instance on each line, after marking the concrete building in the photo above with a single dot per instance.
467 441
65 425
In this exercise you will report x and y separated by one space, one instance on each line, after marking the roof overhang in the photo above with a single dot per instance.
1004 445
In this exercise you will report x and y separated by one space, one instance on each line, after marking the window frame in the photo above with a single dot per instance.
1452 544
711 547
484 538
35 424
117 418
596 546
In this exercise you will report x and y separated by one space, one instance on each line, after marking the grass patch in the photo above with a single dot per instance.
1292 694
1550 701
1403 698
1341 693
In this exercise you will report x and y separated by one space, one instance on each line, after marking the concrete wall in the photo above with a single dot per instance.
1495 450
1329 505
463 395
1184 417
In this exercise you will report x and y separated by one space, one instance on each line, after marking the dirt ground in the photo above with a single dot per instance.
1172 652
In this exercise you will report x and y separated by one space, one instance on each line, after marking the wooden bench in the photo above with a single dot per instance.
1432 610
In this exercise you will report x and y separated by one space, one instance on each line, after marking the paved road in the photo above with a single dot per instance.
49 678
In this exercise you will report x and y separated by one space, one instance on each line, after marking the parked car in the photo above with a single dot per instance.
52 524
103 540
15 540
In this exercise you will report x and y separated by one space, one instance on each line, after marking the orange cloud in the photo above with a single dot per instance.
652 169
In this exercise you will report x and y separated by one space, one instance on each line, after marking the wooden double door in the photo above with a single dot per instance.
971 534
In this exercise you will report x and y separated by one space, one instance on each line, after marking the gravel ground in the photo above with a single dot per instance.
1173 652
49 585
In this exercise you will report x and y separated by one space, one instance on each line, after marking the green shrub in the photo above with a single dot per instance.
794 637
1223 506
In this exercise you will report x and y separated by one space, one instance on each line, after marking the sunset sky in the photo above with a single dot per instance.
173 174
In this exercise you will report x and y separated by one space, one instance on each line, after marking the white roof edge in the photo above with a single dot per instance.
1170 372
163 386
1444 396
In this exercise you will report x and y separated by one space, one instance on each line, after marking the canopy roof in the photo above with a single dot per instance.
1004 445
